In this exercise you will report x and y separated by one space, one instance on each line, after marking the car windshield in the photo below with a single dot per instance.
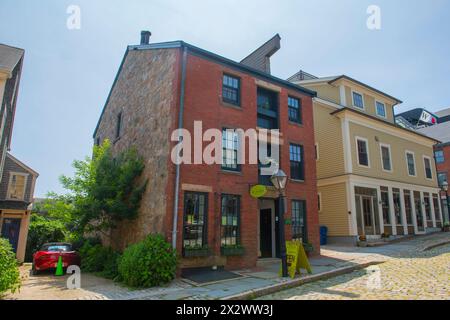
57 247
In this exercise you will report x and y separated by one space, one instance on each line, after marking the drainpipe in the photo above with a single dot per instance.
180 126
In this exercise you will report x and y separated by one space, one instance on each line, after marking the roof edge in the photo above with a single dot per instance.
23 165
367 86
384 122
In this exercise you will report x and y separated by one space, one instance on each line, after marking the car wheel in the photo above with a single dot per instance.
34 272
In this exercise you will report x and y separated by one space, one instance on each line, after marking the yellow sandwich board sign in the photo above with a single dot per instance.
296 258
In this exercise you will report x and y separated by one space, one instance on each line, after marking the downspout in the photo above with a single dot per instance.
178 165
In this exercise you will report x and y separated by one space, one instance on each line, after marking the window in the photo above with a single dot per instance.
297 165
97 141
427 165
316 149
386 157
299 220
16 188
397 206
408 209
265 179
231 89
294 110
119 125
385 205
363 152
267 109
442 176
230 147
230 220
426 200
437 211
411 163
358 100
195 218
381 109
439 156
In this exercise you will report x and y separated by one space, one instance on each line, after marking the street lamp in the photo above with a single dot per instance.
279 180
444 188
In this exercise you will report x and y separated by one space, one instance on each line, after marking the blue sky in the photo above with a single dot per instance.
68 73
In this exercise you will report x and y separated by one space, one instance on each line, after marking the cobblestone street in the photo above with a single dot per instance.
414 275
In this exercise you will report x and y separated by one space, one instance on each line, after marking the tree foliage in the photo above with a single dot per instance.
104 189
9 272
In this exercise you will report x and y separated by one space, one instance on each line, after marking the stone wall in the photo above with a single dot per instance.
144 93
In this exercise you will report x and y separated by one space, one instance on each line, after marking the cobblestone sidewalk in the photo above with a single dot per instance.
410 275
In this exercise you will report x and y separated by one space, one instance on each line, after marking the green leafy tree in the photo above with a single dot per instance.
104 189
9 272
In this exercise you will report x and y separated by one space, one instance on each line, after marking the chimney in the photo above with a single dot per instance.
145 37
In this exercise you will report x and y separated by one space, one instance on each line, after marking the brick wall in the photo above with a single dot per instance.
204 102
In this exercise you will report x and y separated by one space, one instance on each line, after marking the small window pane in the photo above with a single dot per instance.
381 109
363 156
298 218
358 100
428 172
231 89
294 110
386 158
230 220
297 163
439 155
411 165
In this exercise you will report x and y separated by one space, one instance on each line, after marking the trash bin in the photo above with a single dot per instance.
323 235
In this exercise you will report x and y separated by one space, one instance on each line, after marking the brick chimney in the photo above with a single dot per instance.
145 37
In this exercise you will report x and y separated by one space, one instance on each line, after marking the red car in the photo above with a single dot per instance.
47 257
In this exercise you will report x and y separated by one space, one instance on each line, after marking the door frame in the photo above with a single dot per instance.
372 211
267 203
17 240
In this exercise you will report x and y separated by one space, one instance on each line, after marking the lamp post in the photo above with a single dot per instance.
444 189
279 180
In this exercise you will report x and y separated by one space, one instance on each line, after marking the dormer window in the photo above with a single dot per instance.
381 109
358 100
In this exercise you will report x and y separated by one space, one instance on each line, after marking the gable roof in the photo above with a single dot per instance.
9 58
207 55
384 122
333 79
23 165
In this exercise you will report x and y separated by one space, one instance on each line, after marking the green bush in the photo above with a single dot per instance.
43 230
99 259
149 263
9 271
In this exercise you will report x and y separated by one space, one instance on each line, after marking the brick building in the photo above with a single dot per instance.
161 87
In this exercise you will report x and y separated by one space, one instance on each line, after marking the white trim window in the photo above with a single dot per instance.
428 167
17 185
362 152
358 100
410 163
380 109
386 157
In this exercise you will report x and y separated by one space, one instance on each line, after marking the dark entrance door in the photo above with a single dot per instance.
11 230
265 233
